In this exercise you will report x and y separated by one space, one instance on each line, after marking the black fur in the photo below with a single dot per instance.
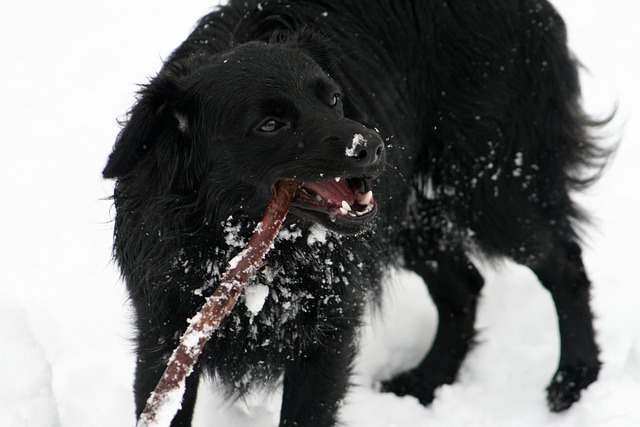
473 107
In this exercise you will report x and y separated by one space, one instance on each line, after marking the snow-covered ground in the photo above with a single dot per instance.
70 68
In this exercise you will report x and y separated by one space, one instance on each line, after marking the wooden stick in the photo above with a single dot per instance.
166 399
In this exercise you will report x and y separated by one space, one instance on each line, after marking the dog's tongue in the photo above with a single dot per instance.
334 191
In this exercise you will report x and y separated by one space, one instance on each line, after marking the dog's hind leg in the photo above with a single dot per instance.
546 243
561 271
454 284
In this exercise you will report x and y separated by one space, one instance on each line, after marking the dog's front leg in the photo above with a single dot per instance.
316 380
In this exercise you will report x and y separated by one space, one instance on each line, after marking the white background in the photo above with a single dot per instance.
69 68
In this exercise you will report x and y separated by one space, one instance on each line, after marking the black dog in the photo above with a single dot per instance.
421 131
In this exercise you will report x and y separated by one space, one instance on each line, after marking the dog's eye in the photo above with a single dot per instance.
271 125
334 100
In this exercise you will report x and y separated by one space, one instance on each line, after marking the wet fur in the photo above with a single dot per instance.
478 105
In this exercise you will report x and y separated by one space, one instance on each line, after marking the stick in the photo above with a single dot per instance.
166 399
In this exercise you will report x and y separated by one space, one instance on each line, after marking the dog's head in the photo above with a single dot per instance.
244 120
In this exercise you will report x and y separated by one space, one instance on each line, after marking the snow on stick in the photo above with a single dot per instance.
166 399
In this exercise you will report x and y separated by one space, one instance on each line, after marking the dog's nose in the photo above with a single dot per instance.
367 150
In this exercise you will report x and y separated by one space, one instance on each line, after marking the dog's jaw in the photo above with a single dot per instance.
343 205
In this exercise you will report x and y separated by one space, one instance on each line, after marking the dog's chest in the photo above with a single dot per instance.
307 280
305 290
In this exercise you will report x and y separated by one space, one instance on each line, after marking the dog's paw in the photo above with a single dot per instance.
413 384
567 385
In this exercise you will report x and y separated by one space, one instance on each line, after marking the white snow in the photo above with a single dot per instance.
233 262
72 68
30 396
291 233
317 234
357 141
169 404
255 296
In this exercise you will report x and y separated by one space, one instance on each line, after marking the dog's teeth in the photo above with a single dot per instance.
366 200
343 211
337 179
318 198
345 206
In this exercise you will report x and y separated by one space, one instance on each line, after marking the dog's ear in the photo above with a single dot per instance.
153 118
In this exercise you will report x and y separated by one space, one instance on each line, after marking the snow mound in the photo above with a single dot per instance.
26 395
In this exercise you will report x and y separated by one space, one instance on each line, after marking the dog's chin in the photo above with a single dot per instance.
342 205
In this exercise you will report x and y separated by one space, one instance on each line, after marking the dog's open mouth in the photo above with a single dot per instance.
346 202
